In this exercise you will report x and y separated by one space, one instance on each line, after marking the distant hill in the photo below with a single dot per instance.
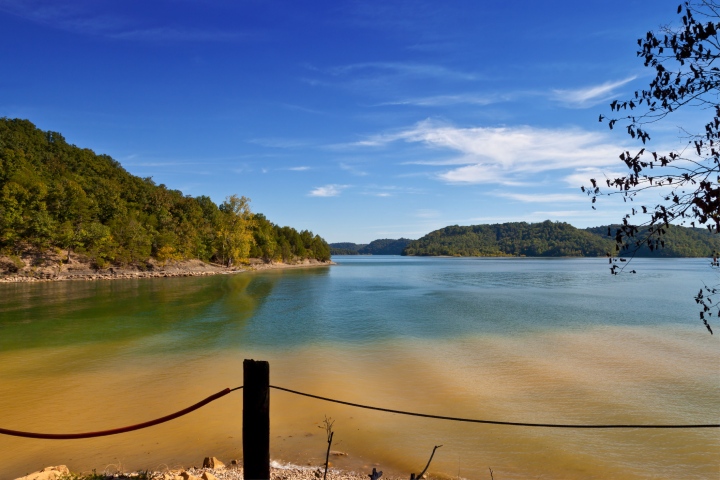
676 242
546 239
551 239
345 248
385 246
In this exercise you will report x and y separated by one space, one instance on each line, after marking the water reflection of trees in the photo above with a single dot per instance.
172 313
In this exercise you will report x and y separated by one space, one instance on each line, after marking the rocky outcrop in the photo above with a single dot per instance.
213 462
188 476
47 473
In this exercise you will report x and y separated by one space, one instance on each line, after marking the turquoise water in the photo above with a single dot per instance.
538 340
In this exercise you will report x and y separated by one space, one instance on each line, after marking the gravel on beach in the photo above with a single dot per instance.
231 472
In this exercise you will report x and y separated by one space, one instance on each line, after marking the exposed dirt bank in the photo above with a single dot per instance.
57 267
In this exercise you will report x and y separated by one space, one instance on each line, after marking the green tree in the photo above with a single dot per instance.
265 245
133 240
41 229
13 199
53 194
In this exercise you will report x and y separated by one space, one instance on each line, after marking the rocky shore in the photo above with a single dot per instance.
57 267
213 469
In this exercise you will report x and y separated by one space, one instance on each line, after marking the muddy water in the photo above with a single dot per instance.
523 340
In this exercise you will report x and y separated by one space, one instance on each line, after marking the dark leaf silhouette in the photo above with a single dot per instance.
683 61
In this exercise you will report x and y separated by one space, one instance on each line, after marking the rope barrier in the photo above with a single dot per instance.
490 422
212 398
115 431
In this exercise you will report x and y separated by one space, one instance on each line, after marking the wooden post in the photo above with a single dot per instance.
256 420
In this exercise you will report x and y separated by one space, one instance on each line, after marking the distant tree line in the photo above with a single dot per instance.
56 195
342 251
553 239
384 246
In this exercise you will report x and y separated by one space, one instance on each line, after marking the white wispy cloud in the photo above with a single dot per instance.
299 169
589 96
544 197
427 213
332 190
581 176
564 213
66 16
389 190
273 142
402 68
170 34
160 164
353 170
87 19
450 100
301 108
385 79
504 155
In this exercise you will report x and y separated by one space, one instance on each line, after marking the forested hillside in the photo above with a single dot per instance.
54 195
677 241
384 246
553 239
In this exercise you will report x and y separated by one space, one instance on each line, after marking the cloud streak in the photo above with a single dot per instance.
353 170
589 96
79 19
544 197
450 100
419 70
332 190
386 79
168 34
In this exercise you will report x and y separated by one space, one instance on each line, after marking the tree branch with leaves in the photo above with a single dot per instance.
686 77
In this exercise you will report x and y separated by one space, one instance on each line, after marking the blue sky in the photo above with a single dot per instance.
355 119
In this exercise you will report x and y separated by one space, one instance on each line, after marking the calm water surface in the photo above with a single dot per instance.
525 340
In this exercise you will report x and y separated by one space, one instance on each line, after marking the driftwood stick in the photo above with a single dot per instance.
327 455
412 475
375 474
328 422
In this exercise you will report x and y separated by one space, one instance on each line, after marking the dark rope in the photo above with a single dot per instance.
490 422
211 398
115 431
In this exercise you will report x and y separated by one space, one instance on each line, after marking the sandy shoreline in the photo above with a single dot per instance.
49 269
231 472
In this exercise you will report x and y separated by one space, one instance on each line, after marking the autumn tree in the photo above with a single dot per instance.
686 78
234 230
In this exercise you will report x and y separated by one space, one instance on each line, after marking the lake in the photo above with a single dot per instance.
510 339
